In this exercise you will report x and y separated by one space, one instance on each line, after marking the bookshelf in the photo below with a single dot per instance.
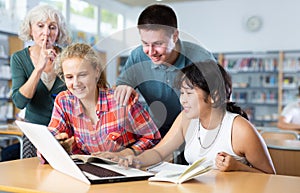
255 82
289 76
9 43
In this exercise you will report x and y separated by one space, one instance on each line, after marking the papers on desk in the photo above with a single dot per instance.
175 173
166 166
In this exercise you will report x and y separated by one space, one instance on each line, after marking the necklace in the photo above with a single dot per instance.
199 138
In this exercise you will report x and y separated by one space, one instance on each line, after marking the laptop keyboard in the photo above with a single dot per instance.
98 171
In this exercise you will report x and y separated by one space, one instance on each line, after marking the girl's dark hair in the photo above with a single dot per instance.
212 78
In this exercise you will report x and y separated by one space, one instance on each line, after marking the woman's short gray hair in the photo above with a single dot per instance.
42 13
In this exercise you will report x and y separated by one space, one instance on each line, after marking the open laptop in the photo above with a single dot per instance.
59 159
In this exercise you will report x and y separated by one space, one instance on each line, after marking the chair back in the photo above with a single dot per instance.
284 148
279 134
286 162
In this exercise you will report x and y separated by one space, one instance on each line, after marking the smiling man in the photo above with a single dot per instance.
152 67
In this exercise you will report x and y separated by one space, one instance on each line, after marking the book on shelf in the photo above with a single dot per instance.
176 173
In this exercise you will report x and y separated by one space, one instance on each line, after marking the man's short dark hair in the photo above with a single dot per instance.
156 17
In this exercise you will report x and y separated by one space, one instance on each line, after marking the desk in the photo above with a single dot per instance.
11 131
27 175
285 144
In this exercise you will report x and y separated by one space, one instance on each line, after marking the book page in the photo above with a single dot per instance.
167 166
92 159
176 173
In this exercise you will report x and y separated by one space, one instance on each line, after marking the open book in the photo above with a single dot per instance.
178 174
77 158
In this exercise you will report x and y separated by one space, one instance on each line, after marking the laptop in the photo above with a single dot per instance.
59 159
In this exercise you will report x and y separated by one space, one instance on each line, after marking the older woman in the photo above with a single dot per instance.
34 82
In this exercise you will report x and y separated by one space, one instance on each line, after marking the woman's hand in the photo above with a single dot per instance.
114 156
225 162
130 161
46 58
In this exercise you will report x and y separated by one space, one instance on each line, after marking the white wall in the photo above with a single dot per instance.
220 24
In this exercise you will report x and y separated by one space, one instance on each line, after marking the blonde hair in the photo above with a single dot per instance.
85 52
42 13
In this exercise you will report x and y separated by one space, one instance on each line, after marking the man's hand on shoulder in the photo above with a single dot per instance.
123 93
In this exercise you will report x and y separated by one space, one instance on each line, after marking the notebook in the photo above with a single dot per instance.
59 159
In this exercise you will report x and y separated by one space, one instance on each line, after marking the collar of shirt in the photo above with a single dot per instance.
102 104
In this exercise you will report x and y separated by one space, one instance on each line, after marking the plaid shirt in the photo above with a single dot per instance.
117 127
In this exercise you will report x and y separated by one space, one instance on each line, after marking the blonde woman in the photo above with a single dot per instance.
88 118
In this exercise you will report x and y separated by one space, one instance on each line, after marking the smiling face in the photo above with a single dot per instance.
44 29
80 78
194 101
159 46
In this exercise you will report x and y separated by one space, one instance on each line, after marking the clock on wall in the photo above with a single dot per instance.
254 23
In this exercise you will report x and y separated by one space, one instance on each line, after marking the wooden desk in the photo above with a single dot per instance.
12 131
27 175
285 144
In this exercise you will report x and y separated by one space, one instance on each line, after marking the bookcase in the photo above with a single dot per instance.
9 43
290 77
263 82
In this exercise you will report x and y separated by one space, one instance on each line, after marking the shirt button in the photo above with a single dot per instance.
93 138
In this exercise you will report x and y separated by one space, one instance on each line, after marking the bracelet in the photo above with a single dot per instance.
160 156
134 152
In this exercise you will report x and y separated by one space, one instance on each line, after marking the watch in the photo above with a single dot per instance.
254 23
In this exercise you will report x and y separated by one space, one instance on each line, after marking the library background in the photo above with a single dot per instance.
253 45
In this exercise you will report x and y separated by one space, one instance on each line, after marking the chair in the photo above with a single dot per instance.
280 134
284 148
286 161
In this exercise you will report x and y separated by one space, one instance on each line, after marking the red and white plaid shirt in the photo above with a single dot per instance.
117 127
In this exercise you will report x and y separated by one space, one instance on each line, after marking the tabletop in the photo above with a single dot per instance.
285 144
28 175
10 129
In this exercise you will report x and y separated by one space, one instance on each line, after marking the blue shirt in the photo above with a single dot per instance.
156 82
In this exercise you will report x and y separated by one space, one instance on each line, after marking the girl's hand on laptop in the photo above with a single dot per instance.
130 161
108 155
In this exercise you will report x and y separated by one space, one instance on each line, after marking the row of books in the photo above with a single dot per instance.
266 97
252 64
291 65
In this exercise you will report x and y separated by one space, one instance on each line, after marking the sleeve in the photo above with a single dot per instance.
142 125
19 78
126 77
61 121
289 113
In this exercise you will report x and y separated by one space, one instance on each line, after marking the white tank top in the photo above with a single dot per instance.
213 141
